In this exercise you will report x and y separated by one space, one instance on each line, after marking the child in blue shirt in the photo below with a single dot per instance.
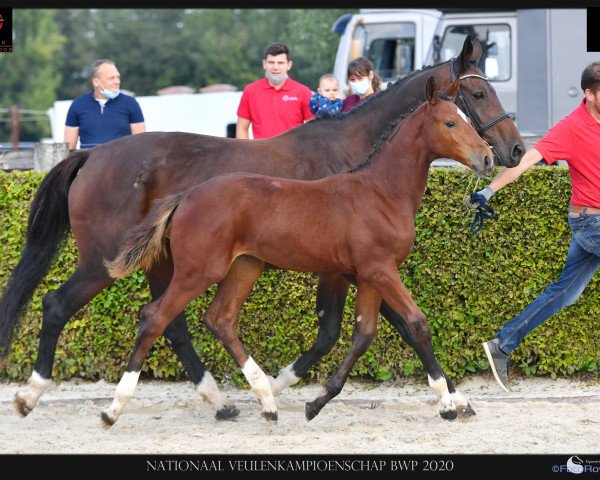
327 101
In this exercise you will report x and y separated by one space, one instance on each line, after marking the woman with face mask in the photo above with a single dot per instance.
363 82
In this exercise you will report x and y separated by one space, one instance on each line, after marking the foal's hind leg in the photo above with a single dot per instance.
221 318
178 336
367 308
153 320
331 297
418 336
58 307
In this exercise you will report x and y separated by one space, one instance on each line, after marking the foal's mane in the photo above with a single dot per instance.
390 129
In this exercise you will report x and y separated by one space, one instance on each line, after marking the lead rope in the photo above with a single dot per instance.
483 211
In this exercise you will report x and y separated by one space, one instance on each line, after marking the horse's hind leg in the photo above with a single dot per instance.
178 337
221 318
418 336
331 297
58 307
367 309
154 319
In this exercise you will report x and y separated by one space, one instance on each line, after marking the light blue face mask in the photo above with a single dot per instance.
361 87
109 94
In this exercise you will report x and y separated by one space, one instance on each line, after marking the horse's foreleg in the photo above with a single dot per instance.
221 318
58 307
367 308
179 339
417 332
331 297
418 336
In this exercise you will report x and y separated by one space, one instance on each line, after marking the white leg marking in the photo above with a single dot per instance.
358 319
260 384
459 399
36 386
440 387
285 378
123 394
209 391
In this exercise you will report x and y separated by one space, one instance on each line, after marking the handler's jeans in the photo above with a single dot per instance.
583 260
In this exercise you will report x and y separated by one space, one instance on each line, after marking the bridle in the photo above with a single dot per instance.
476 123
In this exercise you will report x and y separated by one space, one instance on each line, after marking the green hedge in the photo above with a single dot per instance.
467 285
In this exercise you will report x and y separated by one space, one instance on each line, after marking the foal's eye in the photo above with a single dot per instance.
450 124
478 95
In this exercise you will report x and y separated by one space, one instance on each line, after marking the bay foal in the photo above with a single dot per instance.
359 223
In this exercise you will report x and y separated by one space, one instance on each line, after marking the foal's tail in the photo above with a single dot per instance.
47 228
145 243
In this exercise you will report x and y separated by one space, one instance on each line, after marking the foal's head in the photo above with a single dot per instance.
449 133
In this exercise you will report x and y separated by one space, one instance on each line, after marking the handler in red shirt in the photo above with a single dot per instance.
576 139
275 103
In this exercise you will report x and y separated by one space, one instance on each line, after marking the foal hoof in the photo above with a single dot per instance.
448 414
270 416
466 411
21 406
228 412
107 422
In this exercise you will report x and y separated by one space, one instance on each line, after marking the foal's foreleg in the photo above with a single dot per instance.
331 297
417 331
58 307
221 318
178 337
367 307
418 336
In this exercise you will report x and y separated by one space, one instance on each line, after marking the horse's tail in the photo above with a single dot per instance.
47 228
146 242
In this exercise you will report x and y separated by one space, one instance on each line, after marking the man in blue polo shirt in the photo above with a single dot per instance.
103 114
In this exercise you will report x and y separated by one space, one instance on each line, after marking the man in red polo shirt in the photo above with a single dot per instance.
576 139
274 103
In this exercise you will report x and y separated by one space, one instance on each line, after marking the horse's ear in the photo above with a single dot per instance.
430 91
465 55
477 50
453 88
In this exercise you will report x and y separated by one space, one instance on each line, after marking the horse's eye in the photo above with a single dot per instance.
478 95
450 124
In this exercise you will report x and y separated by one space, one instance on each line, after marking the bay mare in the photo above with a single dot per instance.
100 193
368 213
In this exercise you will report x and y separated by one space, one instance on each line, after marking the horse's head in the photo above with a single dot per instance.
478 100
449 133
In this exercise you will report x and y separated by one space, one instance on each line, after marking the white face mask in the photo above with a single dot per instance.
361 87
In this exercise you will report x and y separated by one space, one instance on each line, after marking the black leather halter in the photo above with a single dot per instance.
476 122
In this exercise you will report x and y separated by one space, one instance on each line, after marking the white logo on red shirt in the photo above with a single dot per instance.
287 98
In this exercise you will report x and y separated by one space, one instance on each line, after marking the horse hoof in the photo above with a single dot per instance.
107 422
448 414
21 406
311 410
466 411
228 412
271 416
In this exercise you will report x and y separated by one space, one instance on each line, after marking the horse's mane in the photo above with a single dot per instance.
391 86
389 129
